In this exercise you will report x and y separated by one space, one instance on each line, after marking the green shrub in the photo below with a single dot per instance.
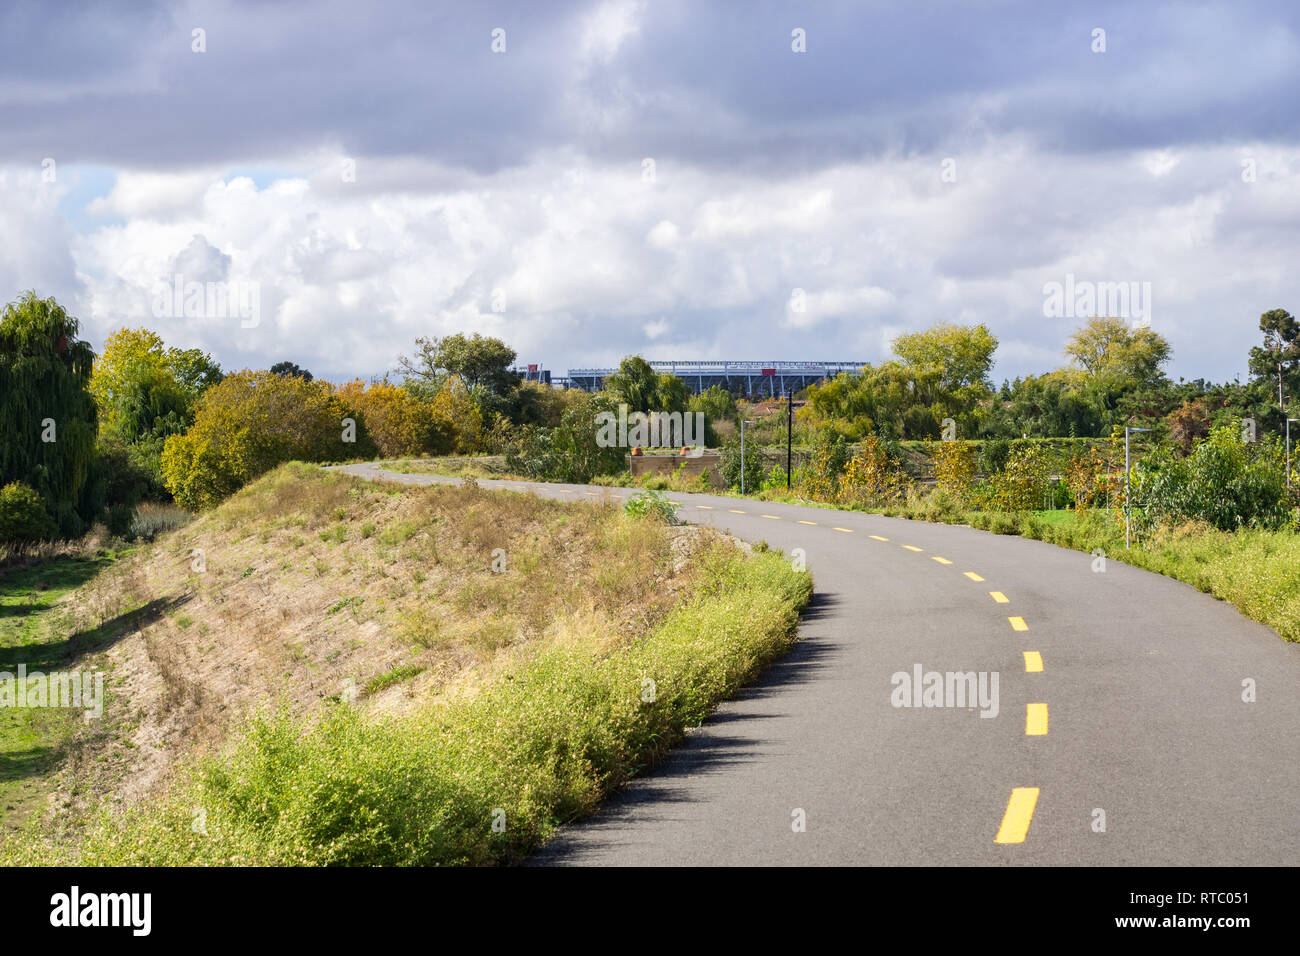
23 516
993 455
873 477
731 466
820 480
1022 483
955 467
573 451
652 504
395 676
1226 482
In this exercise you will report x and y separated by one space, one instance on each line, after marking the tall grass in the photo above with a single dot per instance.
479 780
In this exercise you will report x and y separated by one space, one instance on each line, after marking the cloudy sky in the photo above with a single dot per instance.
675 179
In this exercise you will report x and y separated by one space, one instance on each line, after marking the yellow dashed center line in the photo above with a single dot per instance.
1033 662
735 511
801 521
594 494
911 547
1035 720
1020 811
705 507
772 517
999 597
941 560
845 530
972 575
877 537
1018 624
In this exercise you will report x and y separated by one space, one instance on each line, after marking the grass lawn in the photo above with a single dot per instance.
33 632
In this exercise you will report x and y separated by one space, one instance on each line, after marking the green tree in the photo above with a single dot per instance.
195 371
48 418
959 356
479 362
1277 361
718 405
478 366
1066 402
571 450
145 391
420 373
291 368
635 384
1108 348
671 393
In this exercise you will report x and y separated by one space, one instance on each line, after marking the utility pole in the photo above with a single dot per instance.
743 423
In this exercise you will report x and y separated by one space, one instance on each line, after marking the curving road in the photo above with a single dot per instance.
1120 693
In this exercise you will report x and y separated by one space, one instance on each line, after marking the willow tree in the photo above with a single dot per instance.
47 415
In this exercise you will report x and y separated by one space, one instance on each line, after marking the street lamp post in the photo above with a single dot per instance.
743 423
789 436
1128 503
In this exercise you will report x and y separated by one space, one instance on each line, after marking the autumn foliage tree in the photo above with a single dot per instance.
399 423
874 476
252 422
455 406
955 467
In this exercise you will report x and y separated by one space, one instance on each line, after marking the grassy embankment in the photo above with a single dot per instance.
490 706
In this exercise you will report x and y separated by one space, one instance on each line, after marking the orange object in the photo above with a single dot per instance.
683 452
636 451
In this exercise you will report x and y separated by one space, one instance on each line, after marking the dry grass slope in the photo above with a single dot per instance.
311 586
484 692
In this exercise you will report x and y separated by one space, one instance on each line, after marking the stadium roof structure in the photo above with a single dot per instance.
749 377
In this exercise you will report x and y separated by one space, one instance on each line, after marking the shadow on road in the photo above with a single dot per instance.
704 751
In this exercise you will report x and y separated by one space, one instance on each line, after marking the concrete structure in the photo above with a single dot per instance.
666 465
533 373
744 378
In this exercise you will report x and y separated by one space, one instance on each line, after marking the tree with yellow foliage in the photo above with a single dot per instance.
400 424
252 422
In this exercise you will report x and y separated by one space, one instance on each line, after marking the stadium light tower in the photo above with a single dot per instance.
743 423
1128 504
